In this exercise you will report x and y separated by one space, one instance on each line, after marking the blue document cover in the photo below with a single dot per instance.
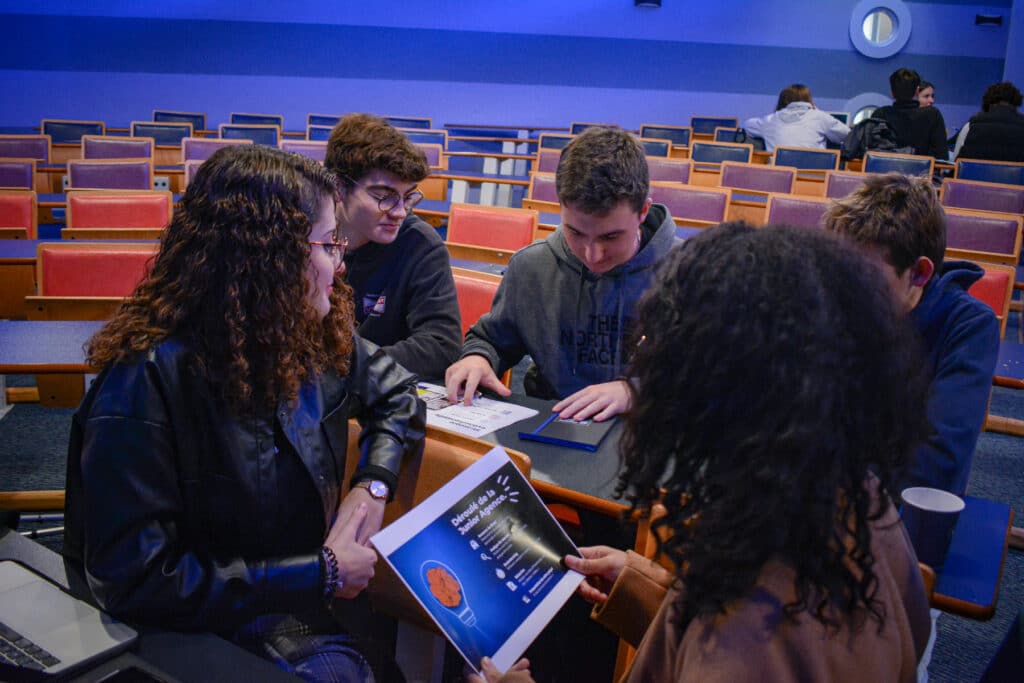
585 434
483 555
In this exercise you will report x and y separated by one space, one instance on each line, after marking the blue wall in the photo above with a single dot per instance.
526 62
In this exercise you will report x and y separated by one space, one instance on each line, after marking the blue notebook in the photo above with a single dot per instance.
585 434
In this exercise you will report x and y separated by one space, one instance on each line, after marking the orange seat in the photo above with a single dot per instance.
995 289
114 209
494 227
82 269
475 292
18 214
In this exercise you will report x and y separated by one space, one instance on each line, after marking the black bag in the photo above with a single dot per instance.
873 134
741 135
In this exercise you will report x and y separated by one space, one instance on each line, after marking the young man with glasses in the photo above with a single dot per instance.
396 264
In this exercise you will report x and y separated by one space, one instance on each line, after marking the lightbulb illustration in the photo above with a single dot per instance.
446 588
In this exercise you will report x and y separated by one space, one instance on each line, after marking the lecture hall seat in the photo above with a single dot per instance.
1006 172
983 236
983 196
110 174
17 173
202 149
699 207
18 214
116 147
114 214
314 149
793 209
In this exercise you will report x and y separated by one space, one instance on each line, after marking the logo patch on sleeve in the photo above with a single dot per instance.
374 305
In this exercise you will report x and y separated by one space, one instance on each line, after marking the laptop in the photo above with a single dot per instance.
44 629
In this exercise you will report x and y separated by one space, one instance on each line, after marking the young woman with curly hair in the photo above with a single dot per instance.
207 459
776 390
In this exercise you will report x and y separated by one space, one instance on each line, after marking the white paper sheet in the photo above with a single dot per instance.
483 417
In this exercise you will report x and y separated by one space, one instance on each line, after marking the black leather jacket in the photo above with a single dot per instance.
189 516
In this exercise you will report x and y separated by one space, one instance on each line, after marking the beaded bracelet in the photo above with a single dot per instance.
332 577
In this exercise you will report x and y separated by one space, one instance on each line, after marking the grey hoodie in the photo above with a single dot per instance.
572 322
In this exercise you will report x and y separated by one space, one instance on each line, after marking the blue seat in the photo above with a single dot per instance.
705 125
1006 172
323 119
679 135
907 164
65 132
717 152
409 121
317 132
807 158
257 119
258 133
578 127
427 137
656 148
554 140
197 119
164 133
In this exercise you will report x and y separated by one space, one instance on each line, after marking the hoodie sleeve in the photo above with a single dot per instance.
754 126
957 401
835 130
496 336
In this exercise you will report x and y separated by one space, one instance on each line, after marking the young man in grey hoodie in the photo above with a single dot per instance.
569 301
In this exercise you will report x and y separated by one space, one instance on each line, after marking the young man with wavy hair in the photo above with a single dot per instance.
397 264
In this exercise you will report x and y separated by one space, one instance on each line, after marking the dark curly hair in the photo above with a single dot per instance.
774 381
363 143
229 281
1004 92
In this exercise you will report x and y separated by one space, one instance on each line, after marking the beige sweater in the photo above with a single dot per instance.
752 641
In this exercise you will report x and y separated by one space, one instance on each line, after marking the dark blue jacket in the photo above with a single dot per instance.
961 339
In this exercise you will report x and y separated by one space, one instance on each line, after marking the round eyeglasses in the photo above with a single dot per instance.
335 250
387 199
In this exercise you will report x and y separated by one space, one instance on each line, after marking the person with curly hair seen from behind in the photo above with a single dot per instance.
996 133
396 264
796 122
770 438
207 461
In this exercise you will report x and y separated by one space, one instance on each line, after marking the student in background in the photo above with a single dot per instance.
771 443
207 460
397 264
796 122
569 301
918 127
925 94
997 131
899 222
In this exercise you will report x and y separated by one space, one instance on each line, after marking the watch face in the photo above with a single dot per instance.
378 489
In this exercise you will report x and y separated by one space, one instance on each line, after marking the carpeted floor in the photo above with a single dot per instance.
33 445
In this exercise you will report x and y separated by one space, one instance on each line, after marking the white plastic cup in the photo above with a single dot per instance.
930 515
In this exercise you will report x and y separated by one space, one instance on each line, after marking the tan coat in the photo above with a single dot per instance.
753 642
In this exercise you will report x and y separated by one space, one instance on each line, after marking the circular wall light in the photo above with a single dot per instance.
863 105
880 28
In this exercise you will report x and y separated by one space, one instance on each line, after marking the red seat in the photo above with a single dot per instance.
494 227
475 292
994 289
79 269
115 209
18 214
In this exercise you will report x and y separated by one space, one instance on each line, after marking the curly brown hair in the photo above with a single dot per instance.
229 281
363 143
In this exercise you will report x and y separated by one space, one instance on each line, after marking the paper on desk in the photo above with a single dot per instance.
483 417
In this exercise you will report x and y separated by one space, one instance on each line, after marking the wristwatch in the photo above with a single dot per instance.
376 488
